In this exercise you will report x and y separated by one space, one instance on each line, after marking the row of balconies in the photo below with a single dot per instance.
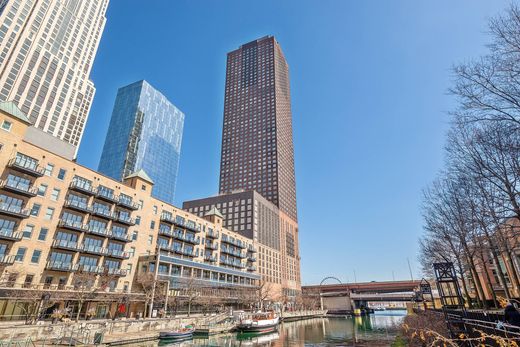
102 194
229 250
234 263
180 236
235 242
180 250
69 267
210 258
100 212
76 247
168 218
78 226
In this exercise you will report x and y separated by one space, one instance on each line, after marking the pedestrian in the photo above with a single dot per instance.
511 315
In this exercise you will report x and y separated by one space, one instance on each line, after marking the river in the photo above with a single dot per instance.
378 329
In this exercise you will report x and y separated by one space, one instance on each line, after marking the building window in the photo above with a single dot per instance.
129 268
6 125
61 174
138 220
42 189
28 281
134 236
55 194
43 234
152 224
35 210
49 213
131 252
155 210
20 254
27 231
48 169
35 259
143 187
150 239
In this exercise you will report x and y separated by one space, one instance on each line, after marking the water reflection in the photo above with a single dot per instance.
312 332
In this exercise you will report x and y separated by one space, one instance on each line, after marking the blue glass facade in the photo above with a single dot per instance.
145 132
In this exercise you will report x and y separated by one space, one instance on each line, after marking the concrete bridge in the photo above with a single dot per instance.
351 296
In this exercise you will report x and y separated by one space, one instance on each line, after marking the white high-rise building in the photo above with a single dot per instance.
47 48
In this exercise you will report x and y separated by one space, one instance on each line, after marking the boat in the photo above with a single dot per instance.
179 334
258 323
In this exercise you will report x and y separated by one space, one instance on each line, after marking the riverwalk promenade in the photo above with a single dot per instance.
114 332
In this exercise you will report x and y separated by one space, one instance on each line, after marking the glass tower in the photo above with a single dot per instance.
145 132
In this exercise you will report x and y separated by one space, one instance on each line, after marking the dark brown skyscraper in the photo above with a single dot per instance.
257 144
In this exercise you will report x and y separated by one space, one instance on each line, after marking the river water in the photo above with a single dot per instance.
378 329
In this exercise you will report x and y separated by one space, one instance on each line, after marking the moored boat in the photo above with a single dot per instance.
179 334
258 323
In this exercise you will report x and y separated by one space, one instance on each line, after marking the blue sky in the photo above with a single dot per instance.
368 83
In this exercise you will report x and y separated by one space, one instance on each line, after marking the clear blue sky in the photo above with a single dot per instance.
368 84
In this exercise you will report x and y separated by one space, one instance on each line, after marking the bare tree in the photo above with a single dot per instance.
84 288
191 291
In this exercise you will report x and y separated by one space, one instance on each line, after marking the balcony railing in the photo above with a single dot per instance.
234 242
94 249
233 252
13 210
165 217
166 232
127 203
211 234
116 253
10 234
116 272
94 269
119 236
6 259
66 244
26 166
251 268
192 226
77 206
210 258
251 258
72 225
107 196
251 249
125 220
104 213
59 266
82 187
189 253
98 231
18 188
189 239
211 245
230 262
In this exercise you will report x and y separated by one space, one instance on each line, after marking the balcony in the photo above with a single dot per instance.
251 249
103 213
67 245
189 239
166 232
59 266
251 268
211 245
119 236
125 220
234 242
107 196
13 211
94 269
230 262
116 253
165 217
233 252
82 187
91 249
10 235
212 234
210 258
116 272
72 225
189 253
26 166
6 259
18 188
77 206
251 258
94 230
129 204
192 226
